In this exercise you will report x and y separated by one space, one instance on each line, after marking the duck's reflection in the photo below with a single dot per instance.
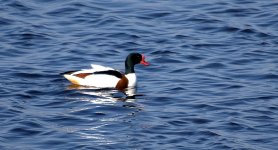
107 107
129 94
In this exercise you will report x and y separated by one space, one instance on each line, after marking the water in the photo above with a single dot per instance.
212 83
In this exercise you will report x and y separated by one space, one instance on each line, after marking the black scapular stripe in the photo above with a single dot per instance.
68 72
110 72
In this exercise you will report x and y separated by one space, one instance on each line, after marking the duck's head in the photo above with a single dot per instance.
132 59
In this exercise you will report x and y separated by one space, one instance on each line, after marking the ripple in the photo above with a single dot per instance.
178 123
179 70
5 21
198 120
158 14
66 11
19 6
209 45
214 65
28 75
229 29
24 132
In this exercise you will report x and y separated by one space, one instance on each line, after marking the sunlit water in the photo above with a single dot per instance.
212 83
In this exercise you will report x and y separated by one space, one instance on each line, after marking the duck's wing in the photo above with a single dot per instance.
100 68
94 69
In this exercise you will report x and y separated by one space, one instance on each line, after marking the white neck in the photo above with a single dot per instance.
132 80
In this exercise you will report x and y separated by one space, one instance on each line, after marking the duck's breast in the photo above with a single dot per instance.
132 80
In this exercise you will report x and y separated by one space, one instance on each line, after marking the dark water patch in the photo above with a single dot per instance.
158 15
178 123
241 61
213 66
63 12
269 76
177 89
208 45
182 70
264 35
201 18
198 120
25 39
234 87
28 75
35 92
208 133
19 6
248 31
182 36
221 146
20 132
57 142
272 108
6 21
25 96
207 29
123 35
34 36
233 126
82 5
161 41
228 29
31 124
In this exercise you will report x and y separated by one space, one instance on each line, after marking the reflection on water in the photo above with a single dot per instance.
106 93
103 102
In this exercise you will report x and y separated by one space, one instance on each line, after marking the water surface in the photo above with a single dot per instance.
212 83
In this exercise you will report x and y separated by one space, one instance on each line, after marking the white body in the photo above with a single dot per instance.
99 80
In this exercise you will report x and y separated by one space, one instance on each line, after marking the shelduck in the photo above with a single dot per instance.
106 77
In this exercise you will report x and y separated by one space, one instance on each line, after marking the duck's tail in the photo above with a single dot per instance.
73 79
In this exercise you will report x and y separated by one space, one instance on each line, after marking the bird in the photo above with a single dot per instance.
105 77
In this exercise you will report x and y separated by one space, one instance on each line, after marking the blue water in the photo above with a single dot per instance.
212 83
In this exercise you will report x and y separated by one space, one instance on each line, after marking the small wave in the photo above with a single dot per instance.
28 75
214 65
60 12
24 131
19 6
5 21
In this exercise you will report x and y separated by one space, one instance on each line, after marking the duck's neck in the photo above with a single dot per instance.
129 67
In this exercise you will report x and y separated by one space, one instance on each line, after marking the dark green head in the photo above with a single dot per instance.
132 59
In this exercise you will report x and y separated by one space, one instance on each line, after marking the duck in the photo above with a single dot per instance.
105 77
